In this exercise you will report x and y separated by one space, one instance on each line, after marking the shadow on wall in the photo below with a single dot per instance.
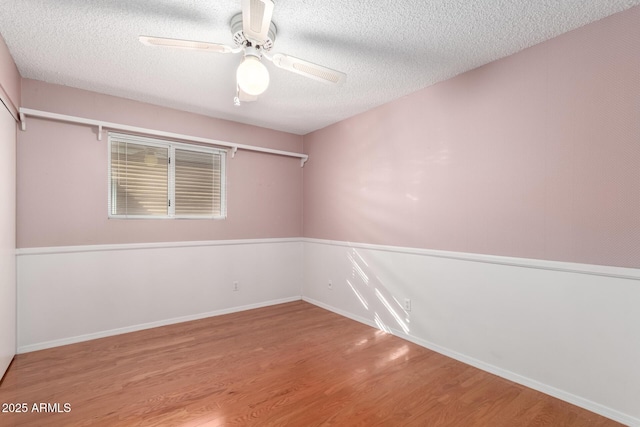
387 312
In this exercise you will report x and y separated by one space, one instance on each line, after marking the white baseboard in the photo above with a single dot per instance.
340 312
134 328
511 376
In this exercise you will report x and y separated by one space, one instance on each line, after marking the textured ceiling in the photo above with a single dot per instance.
387 48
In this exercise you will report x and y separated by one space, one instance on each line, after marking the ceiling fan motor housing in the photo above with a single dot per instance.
241 40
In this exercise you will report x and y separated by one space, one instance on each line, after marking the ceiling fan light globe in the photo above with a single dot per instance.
252 76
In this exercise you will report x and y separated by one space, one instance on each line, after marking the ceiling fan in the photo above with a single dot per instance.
254 35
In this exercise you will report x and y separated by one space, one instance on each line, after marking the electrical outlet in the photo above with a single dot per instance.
236 287
330 284
407 304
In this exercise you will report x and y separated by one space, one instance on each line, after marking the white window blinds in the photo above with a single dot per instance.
139 179
152 178
197 183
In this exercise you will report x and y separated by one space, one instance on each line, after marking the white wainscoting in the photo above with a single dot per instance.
569 330
72 294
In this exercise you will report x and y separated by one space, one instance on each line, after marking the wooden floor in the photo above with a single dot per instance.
287 365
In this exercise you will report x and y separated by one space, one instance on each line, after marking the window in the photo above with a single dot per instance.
152 178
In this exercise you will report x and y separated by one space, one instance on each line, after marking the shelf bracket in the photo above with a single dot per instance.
234 150
23 122
303 160
99 132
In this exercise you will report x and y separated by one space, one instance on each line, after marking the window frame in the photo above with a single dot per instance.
171 146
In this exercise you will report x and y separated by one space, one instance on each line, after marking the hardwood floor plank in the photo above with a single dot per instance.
288 365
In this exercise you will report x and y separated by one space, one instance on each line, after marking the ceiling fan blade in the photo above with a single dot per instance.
307 69
187 44
256 19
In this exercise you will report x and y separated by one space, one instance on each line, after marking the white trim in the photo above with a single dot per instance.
171 182
163 143
146 131
589 269
511 376
567 267
134 328
340 312
159 245
170 147
596 270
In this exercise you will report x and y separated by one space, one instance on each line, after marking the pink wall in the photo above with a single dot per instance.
536 155
62 175
9 80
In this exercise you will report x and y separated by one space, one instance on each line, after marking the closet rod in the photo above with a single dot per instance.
28 112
